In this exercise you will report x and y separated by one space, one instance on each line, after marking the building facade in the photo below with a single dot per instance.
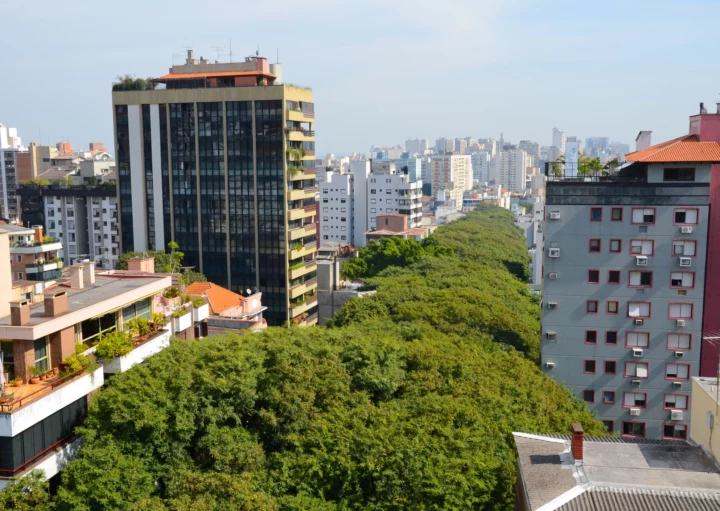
559 140
512 170
220 159
481 166
451 173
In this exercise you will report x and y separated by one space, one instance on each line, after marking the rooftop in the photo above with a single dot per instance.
219 298
710 385
617 474
685 149
14 229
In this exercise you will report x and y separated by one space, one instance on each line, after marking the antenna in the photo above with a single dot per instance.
218 49
257 53
231 53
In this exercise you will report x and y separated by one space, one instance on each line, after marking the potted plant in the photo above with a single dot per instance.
159 319
17 382
34 378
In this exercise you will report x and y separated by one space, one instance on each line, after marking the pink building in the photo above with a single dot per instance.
395 226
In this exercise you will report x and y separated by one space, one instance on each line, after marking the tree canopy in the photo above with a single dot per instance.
407 403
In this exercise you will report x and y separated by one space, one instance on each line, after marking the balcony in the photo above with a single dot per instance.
305 173
298 194
301 270
300 213
311 320
301 289
310 229
43 276
301 306
299 250
146 347
297 233
42 267
36 248
300 135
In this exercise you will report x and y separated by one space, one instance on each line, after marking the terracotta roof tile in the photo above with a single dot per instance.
218 297
684 149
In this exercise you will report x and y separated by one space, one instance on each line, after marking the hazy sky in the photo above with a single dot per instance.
381 70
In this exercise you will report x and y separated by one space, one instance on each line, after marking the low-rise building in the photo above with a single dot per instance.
228 312
704 409
35 257
395 226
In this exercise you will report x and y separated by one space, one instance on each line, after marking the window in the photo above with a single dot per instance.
634 400
633 429
638 309
643 215
682 279
596 214
373 192
20 275
615 246
609 425
685 248
616 214
637 339
675 431
591 306
594 246
41 354
593 276
589 366
612 307
640 279
676 402
642 247
343 237
19 258
610 367
614 277
677 371
611 337
678 174
609 396
686 216
590 336
680 311
589 396
679 341
636 369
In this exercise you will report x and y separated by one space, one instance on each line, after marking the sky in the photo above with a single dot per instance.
382 71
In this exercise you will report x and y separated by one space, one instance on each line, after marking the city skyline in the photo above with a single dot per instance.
489 84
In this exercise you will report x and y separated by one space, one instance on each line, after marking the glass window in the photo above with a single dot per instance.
93 327
678 174
675 431
589 396
609 425
591 336
611 337
609 396
635 429
594 245
615 246
590 366
617 214
595 214
614 277
41 354
8 357
687 216
610 367
593 276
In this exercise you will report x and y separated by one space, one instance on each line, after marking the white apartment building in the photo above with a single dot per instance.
350 203
10 147
453 174
444 145
481 166
559 140
512 169
417 146
573 149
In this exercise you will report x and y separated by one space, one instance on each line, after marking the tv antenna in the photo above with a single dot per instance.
218 49
231 53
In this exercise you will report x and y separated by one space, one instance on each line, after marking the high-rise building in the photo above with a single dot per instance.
461 145
597 145
416 146
490 145
11 150
559 139
512 169
623 300
444 146
219 157
452 176
481 166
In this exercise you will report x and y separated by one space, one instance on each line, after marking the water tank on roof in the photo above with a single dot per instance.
276 69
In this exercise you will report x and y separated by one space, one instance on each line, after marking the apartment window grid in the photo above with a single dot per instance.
124 176
147 163
165 178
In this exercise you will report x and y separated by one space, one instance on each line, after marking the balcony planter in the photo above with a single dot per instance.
200 313
183 322
157 341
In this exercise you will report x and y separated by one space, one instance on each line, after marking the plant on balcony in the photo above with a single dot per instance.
82 348
34 377
17 382
297 246
113 344
48 239
180 313
139 327
158 318
297 266
198 302
171 292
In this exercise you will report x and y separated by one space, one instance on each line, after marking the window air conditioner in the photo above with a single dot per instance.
554 215
554 253
552 275
637 353
676 415
680 322
551 335
552 305
639 322
677 384
685 262
550 365
641 260
636 383
679 354
634 411
686 229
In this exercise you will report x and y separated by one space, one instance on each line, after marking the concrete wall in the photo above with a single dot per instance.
5 275
704 418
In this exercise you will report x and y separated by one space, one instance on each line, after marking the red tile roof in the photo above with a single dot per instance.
218 297
684 149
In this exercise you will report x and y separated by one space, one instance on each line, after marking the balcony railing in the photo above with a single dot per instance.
310 209
311 300
311 318
311 281
45 388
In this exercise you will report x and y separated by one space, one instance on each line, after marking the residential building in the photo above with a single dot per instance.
461 145
558 140
337 204
243 227
444 146
229 312
595 146
395 226
490 145
11 150
34 257
704 407
451 173
480 162
575 473
512 169
625 262
417 146
573 150
532 225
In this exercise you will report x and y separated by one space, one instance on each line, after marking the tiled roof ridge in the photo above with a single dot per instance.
611 439
706 493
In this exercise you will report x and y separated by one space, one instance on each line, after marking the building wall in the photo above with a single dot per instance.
481 166
336 208
512 170
571 291
704 418
451 173
5 273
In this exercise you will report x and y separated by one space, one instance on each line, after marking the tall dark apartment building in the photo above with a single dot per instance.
219 157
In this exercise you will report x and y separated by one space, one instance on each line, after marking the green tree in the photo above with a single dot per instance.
29 493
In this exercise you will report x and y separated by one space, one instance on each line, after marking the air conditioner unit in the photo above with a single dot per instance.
551 335
554 253
641 260
686 229
552 305
679 354
552 275
639 322
634 411
637 353
635 383
680 322
550 365
685 262
554 215
676 415
677 384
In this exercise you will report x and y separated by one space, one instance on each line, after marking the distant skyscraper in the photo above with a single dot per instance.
416 146
597 145
559 140
512 169
444 145
533 151
460 145
481 166
451 173
573 150
490 145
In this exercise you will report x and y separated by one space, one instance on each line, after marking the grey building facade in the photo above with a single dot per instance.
624 268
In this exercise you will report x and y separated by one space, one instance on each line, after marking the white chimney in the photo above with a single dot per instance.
76 276
643 140
89 271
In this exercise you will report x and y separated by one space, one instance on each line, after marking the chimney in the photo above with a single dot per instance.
643 140
76 276
144 264
38 232
56 304
19 313
717 105
703 110
89 272
576 445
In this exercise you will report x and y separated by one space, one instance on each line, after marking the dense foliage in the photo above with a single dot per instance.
400 406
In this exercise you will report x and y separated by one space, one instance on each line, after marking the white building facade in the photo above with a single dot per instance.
451 173
512 169
481 166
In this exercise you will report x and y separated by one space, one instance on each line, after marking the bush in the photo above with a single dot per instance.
171 292
198 302
159 318
180 313
139 327
114 344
